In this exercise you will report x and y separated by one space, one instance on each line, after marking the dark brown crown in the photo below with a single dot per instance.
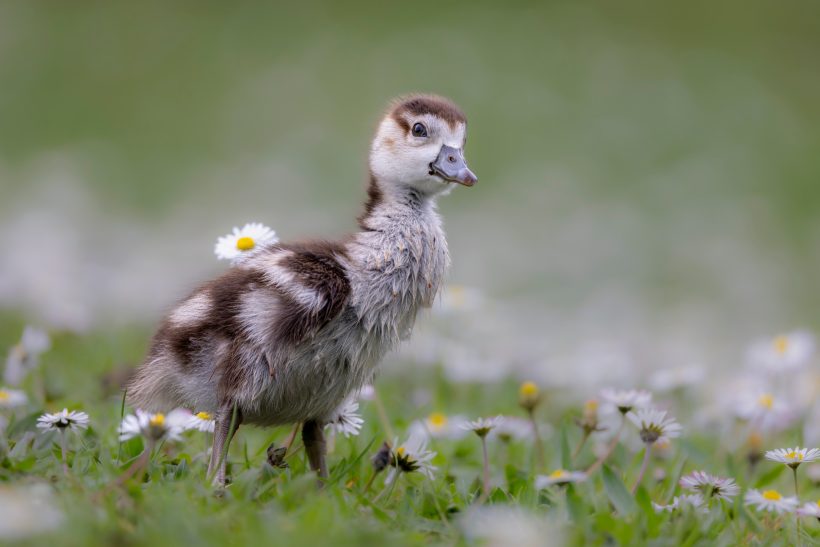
418 105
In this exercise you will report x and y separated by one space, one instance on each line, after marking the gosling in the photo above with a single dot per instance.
294 330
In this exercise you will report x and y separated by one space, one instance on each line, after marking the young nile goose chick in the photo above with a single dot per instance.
287 335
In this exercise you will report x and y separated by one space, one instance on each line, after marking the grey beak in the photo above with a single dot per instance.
450 165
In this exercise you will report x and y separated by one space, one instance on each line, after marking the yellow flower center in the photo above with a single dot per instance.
4 395
794 456
400 451
437 420
772 495
766 400
558 474
528 389
245 243
818 503
157 420
203 415
781 344
591 406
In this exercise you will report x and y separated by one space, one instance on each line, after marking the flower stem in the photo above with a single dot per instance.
644 465
797 517
539 448
794 472
580 446
63 450
609 449
485 491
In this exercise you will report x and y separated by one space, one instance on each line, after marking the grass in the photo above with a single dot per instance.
174 504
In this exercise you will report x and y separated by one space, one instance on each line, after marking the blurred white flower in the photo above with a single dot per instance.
25 355
502 525
411 456
346 419
694 501
654 425
784 353
439 426
515 428
155 427
626 400
809 509
770 500
710 486
482 426
559 476
202 421
11 398
367 393
793 457
242 241
670 379
458 298
765 410
63 420
27 511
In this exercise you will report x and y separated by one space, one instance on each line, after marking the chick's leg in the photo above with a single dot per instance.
228 419
315 446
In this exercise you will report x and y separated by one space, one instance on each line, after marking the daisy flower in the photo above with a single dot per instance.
793 457
765 410
710 485
770 500
559 476
529 395
202 421
784 353
346 419
512 428
10 398
63 420
626 400
695 501
154 427
439 426
238 244
809 509
482 426
25 355
654 425
411 456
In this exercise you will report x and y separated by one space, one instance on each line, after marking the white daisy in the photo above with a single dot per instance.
626 400
411 456
202 421
439 426
793 457
654 425
809 509
765 410
694 501
10 398
513 428
63 420
559 476
784 353
242 241
154 427
770 500
346 420
710 485
25 355
482 426
529 395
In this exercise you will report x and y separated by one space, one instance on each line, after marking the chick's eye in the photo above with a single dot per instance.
419 130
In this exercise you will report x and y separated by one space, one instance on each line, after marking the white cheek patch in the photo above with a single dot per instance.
454 137
191 312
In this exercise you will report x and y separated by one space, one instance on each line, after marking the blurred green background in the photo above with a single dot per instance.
648 171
